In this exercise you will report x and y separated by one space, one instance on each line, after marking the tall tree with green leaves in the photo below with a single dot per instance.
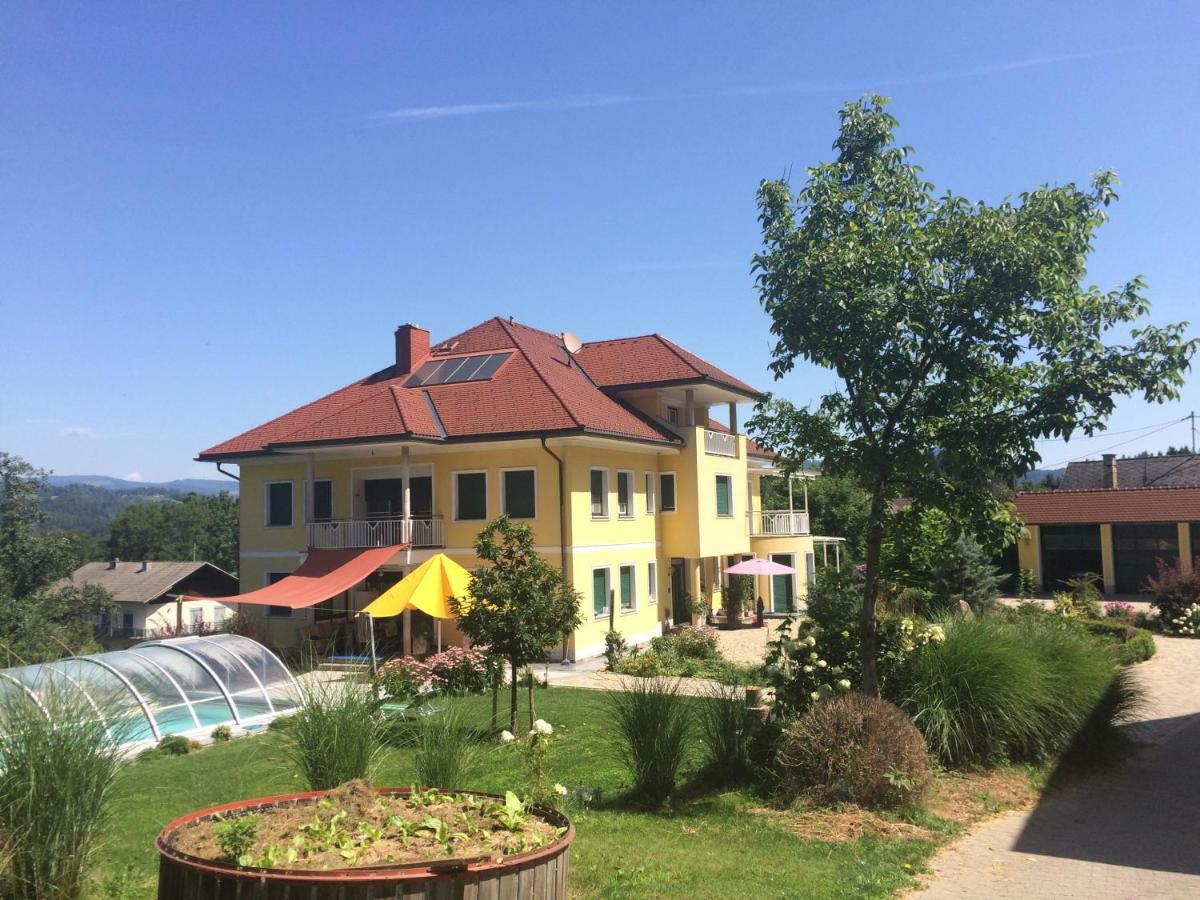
42 616
520 605
195 528
959 332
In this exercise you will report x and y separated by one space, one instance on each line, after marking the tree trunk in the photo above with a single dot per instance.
868 645
495 695
512 710
532 710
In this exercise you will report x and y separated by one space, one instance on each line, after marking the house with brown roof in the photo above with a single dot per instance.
148 596
605 448
1114 517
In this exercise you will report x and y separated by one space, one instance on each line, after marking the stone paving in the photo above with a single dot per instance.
1130 833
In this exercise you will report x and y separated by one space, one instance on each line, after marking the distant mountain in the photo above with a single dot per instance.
179 485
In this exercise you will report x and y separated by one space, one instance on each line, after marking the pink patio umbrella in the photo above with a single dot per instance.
758 566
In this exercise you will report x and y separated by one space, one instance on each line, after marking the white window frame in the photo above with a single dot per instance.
605 502
732 506
675 491
631 503
487 506
652 582
650 485
220 613
267 503
633 589
276 612
504 502
608 592
310 515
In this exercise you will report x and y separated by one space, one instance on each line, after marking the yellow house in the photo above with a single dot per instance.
605 449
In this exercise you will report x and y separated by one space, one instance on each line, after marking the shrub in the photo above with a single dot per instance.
221 734
699 642
445 748
1084 591
1186 623
1129 644
725 728
615 649
460 671
175 745
835 597
853 748
1026 583
408 680
60 763
1118 609
652 728
643 665
337 735
1174 590
738 596
1007 687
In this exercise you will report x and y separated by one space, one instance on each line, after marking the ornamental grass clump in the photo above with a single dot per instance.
1014 687
853 748
725 729
59 764
337 736
652 724
445 747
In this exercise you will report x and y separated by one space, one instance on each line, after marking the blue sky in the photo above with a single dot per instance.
212 214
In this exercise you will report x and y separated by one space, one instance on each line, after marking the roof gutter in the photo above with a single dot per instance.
562 526
227 474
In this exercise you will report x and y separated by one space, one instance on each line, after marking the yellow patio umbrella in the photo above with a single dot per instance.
428 588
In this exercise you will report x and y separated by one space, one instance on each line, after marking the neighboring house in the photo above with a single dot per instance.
146 594
1114 517
605 449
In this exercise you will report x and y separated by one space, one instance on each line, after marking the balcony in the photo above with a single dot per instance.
781 523
346 534
720 443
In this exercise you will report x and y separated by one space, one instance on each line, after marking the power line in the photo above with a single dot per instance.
1118 444
1109 433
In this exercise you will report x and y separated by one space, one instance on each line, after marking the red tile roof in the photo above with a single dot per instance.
541 389
648 360
1150 504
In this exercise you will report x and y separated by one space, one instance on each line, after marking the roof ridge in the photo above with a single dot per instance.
675 348
632 337
370 395
1109 490
399 409
538 371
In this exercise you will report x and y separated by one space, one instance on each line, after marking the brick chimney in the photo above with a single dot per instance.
412 346
1109 467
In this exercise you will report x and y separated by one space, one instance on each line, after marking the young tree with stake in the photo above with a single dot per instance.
959 332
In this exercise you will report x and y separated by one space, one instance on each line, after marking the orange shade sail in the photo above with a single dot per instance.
323 574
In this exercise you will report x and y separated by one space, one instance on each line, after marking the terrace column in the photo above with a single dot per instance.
733 423
690 408
407 505
1108 569
1185 546
309 489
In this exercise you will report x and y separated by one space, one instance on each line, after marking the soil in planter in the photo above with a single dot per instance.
354 827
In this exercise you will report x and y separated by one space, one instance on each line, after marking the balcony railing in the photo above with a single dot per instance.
356 533
720 443
782 523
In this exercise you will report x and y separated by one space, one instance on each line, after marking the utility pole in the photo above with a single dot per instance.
1193 418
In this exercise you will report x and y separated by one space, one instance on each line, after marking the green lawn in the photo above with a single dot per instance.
708 847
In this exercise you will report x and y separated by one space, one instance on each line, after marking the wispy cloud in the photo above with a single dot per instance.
593 101
78 431
580 101
134 476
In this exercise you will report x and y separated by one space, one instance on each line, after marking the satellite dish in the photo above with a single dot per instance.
572 342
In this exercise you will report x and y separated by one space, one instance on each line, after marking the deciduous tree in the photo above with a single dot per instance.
959 332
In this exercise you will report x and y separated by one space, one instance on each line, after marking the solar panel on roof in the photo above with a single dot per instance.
458 370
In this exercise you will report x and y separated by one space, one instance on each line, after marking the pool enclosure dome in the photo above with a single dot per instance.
186 686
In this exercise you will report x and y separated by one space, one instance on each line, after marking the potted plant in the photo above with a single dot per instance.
700 608
359 840
735 598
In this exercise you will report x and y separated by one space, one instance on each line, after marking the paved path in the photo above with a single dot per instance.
1130 833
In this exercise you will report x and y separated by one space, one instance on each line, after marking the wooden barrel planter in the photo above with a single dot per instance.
539 874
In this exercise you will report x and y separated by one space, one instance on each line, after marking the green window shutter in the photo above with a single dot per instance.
724 500
626 587
600 592
519 494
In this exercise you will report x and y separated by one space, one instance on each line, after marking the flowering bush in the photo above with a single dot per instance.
699 642
535 746
823 660
1186 624
460 671
407 680
1174 590
1118 609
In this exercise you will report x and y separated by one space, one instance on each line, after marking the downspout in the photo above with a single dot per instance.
227 474
562 523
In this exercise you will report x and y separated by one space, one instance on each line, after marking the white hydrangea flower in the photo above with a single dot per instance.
808 669
810 641
541 726
560 790
844 684
507 737
821 664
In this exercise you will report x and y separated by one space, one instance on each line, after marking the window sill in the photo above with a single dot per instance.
628 612
289 525
600 617
629 518
596 518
